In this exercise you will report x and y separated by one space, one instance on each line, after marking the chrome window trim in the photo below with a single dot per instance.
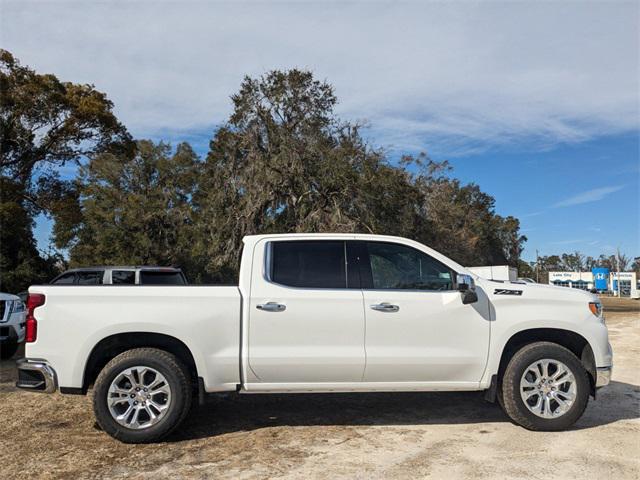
268 262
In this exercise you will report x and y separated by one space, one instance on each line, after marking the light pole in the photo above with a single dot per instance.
618 266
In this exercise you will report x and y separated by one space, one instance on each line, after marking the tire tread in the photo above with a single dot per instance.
171 362
511 402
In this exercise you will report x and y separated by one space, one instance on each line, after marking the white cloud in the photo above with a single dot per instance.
453 77
589 196
568 242
532 214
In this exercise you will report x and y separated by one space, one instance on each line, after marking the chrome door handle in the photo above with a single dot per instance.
271 307
385 307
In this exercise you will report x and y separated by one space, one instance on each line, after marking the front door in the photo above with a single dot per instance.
417 328
306 325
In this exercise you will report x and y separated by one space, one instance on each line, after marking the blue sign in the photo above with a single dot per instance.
600 278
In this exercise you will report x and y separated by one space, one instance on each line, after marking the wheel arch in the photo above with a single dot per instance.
113 345
572 341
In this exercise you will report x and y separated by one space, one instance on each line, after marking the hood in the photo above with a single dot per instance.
8 296
502 289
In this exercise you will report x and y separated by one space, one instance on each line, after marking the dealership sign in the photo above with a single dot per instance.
563 275
623 275
600 278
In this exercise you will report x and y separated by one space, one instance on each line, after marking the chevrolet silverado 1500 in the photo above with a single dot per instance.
318 313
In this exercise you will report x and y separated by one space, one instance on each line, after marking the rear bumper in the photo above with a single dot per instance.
603 376
36 376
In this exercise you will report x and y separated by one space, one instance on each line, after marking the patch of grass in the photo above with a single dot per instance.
620 305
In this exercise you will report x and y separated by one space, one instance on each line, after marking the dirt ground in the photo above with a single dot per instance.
417 435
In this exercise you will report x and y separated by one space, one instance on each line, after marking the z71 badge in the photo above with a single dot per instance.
504 291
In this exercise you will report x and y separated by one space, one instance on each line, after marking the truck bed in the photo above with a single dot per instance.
76 318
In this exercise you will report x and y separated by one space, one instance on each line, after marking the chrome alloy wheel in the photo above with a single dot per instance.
548 388
139 397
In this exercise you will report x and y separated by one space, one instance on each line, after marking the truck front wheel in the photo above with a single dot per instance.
8 350
545 387
142 395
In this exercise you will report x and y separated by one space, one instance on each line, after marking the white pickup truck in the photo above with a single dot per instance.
318 313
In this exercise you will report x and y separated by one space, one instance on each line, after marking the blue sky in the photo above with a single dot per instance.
572 197
537 102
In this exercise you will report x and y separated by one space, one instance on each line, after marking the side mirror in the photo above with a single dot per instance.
467 286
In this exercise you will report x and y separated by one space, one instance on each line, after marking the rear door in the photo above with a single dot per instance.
418 329
306 319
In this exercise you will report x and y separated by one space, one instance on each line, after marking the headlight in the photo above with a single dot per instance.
596 308
13 306
18 306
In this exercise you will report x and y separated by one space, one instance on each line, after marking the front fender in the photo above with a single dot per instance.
591 329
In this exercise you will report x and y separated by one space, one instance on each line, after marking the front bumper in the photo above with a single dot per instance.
11 333
36 376
603 376
12 330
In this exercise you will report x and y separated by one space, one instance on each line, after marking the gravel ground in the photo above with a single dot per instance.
417 435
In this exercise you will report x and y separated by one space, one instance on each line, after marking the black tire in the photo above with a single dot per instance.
8 350
512 402
178 378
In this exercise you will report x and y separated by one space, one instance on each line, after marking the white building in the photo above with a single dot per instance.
582 280
628 284
586 281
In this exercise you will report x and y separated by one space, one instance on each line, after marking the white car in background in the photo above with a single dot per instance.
130 275
12 324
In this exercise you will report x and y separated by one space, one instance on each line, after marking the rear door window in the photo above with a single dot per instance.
123 277
89 278
309 264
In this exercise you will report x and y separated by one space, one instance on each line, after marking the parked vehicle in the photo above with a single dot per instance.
12 324
526 279
318 313
130 275
495 272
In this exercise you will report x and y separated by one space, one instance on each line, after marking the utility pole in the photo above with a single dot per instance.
618 262
537 267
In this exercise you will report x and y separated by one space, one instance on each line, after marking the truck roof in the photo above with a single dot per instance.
364 236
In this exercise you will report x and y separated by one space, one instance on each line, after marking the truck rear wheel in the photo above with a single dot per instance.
142 395
545 387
